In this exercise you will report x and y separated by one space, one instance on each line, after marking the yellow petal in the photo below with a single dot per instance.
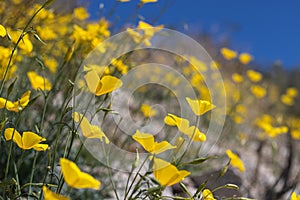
207 195
40 147
195 134
228 54
160 147
235 161
49 195
147 110
75 178
254 76
2 31
295 197
200 107
9 105
38 82
166 173
25 99
11 132
30 139
145 139
92 79
258 91
181 123
81 13
88 130
107 84
245 58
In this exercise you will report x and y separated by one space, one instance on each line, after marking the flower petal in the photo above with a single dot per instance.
11 132
30 139
75 178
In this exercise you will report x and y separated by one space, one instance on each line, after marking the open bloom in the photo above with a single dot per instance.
147 141
38 82
147 110
101 86
235 161
49 195
245 58
200 107
168 174
17 105
183 126
76 178
28 140
88 130
228 54
254 76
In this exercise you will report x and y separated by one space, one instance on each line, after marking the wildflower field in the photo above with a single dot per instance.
94 110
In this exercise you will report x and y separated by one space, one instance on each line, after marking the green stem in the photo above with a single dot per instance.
10 148
32 173
190 142
135 177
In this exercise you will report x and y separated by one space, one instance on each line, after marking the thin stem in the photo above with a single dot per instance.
32 172
191 140
135 177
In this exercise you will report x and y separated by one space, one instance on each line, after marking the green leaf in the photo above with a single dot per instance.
11 86
199 160
224 169
37 37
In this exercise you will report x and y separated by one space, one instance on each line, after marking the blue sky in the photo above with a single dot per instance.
269 30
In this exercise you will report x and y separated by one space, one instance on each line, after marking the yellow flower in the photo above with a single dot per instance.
287 100
49 195
292 92
148 1
120 65
149 30
228 54
200 107
295 197
38 82
81 13
99 69
28 140
88 130
275 131
208 195
258 91
2 31
76 178
235 161
167 174
17 105
101 86
295 134
245 58
183 126
147 141
51 64
46 33
237 78
254 75
147 110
